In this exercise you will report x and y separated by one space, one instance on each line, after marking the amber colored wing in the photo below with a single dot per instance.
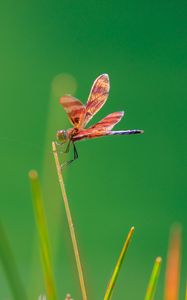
74 108
89 133
109 121
98 96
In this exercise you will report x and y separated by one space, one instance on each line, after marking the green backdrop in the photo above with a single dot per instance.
49 48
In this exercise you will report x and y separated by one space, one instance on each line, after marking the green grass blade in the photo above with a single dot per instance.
186 292
118 266
10 268
43 235
153 279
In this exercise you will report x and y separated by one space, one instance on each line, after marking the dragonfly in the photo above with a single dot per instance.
79 115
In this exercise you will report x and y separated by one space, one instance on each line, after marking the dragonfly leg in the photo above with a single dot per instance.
59 146
68 146
75 152
60 149
74 158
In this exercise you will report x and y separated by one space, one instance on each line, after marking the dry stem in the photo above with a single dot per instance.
70 223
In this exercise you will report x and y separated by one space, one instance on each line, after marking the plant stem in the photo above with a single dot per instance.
43 235
10 267
173 264
118 266
70 223
153 279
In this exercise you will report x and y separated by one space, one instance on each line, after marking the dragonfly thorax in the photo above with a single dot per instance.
62 136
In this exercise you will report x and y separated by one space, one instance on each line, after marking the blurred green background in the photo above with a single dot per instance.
49 48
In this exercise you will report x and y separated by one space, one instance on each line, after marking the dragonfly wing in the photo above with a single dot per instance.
74 109
88 134
109 121
97 97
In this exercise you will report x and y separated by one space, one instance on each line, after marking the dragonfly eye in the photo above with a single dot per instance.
62 136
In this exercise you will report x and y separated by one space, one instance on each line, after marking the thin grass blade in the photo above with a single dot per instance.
173 264
10 267
117 268
70 224
153 279
43 235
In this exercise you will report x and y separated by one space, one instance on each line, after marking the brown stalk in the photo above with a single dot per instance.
70 223
173 265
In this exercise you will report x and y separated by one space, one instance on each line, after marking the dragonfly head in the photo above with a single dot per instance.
62 136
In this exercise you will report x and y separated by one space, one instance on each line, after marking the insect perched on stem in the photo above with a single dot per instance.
80 114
